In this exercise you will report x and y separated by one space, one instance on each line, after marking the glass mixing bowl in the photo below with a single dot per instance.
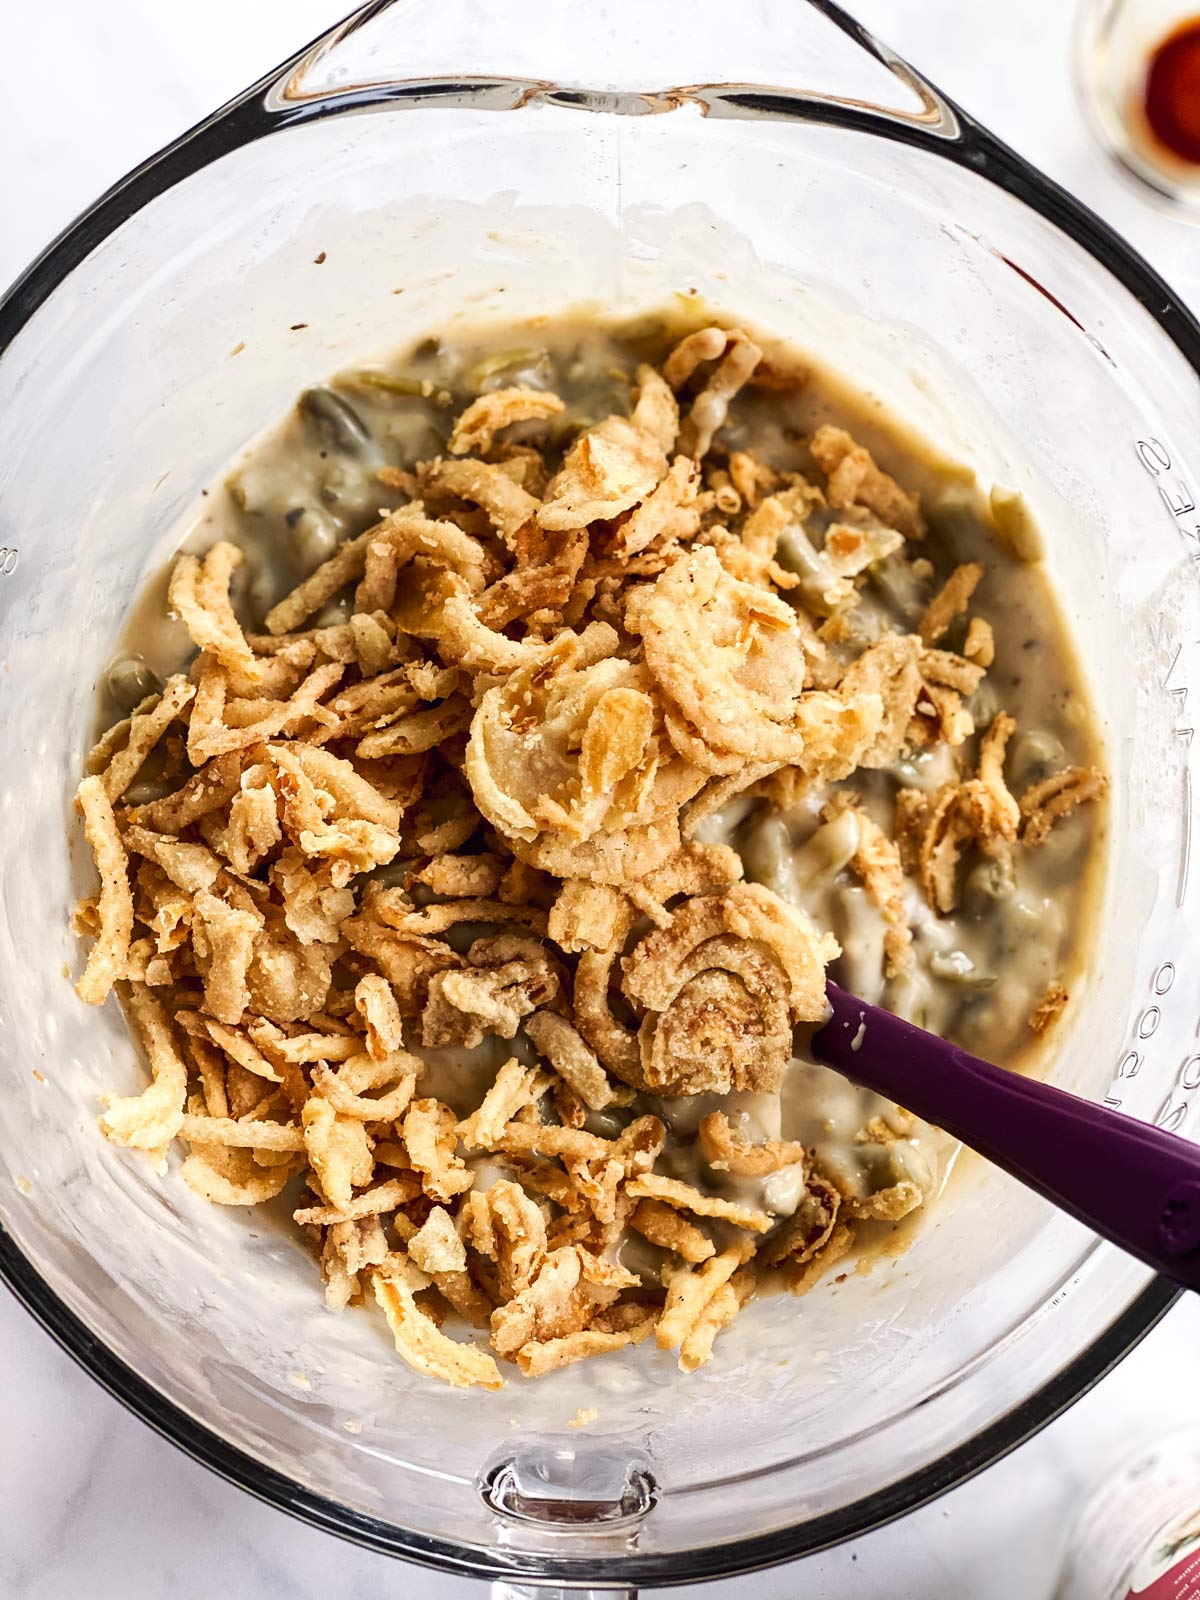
429 162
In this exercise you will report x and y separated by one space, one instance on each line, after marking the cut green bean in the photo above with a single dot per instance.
130 680
334 420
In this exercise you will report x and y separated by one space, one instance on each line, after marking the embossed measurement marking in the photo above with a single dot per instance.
1179 1099
1182 730
1145 1027
1173 490
1176 494
9 556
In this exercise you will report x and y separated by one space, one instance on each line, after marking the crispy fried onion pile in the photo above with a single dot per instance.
420 915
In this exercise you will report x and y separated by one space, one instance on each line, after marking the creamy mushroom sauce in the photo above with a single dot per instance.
309 482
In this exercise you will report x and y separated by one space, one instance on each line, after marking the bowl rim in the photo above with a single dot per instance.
730 1559
255 113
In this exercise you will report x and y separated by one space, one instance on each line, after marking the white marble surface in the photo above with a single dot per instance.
91 1502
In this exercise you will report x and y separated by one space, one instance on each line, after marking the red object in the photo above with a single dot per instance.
1173 92
1182 1582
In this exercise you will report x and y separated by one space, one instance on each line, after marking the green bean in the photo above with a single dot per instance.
646 335
798 554
333 613
394 874
650 336
1034 754
908 996
412 436
860 929
826 851
820 587
605 1125
905 593
991 881
984 704
130 680
349 485
769 858
391 382
334 420
882 1165
1029 927
564 428
906 773
531 364
315 538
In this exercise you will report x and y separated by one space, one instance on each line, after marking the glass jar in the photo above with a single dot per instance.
1116 43
1138 1536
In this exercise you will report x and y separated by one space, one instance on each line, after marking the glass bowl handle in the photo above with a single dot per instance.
824 64
524 1591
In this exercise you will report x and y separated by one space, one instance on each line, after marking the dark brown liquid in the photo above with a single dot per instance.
1172 92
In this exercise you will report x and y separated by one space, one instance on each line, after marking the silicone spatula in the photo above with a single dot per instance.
1133 1183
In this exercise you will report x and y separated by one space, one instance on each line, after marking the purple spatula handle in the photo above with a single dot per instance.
1137 1185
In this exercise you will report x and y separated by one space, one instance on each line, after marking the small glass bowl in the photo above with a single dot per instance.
1114 43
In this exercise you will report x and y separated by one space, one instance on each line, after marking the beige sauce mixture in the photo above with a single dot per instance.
977 973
